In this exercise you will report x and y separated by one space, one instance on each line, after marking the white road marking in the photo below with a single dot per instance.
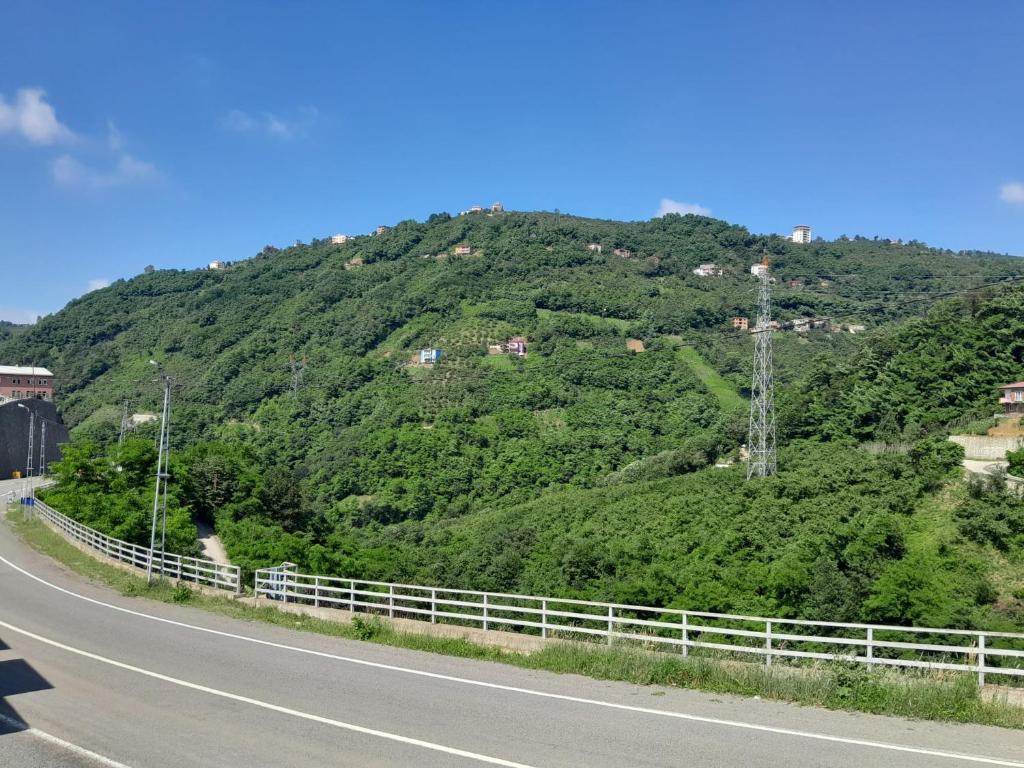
66 745
531 692
267 705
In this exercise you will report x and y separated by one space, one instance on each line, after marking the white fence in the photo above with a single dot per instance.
976 652
227 577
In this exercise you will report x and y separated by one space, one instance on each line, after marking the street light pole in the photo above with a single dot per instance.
161 476
27 485
42 450
167 474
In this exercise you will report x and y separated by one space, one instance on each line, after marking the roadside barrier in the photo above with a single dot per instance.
958 650
180 567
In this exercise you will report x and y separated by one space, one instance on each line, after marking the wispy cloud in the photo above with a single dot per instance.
270 124
71 172
1012 192
96 283
31 117
19 316
114 138
674 206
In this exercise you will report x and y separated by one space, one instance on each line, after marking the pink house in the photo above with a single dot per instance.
517 346
1013 398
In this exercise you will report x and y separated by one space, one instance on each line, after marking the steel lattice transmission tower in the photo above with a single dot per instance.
761 440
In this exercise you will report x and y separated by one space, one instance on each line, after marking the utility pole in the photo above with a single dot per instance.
298 368
125 421
161 475
42 450
761 438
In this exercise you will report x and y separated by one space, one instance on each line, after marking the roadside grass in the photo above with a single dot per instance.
727 396
916 695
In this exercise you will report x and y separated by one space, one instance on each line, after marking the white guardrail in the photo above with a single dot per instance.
958 650
207 572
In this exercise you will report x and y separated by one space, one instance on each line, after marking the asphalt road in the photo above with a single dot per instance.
145 684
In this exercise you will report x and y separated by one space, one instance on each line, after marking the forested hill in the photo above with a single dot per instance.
302 429
475 426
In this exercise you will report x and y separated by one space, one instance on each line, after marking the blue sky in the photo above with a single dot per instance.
176 133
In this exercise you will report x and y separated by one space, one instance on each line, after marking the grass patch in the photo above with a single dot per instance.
498 362
952 697
728 398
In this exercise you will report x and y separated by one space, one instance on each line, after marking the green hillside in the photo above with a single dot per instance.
585 468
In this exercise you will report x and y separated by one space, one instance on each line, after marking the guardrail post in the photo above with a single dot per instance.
284 586
391 601
352 595
611 623
768 643
686 634
316 591
544 618
981 660
870 644
485 611
433 606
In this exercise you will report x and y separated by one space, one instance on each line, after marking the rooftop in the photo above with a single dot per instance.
1015 385
23 370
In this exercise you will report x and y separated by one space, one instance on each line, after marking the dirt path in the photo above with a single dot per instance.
210 542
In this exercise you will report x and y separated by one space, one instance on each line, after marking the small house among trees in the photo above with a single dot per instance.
429 356
516 345
463 250
623 252
1013 398
708 270
740 323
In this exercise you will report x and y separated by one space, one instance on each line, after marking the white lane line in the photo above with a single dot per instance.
266 704
541 694
65 745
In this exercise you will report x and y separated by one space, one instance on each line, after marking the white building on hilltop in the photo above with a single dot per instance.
708 270
340 239
801 233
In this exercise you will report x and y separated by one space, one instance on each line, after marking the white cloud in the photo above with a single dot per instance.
114 139
1012 192
674 206
19 316
96 283
70 172
32 118
269 124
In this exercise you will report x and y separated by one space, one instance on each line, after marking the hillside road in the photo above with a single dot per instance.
147 684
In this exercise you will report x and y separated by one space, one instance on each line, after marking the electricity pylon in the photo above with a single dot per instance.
761 439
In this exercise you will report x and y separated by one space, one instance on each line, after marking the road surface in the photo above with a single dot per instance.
145 684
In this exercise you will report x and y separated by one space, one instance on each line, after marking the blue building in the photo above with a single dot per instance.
430 356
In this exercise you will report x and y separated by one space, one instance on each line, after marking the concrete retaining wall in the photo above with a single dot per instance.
986 448
14 423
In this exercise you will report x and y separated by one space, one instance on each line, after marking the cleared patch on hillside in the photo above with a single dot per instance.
728 397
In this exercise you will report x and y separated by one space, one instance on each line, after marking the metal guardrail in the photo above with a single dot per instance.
180 567
977 652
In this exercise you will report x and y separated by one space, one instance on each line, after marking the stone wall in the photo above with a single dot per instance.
985 448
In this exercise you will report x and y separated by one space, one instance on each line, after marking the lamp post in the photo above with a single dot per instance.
27 485
161 477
